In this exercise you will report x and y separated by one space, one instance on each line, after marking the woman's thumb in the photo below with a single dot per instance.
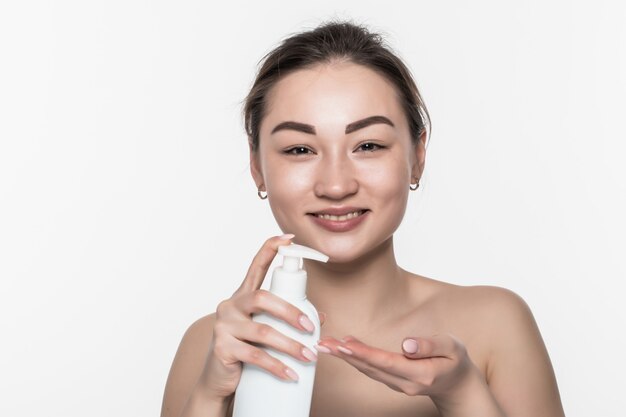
410 346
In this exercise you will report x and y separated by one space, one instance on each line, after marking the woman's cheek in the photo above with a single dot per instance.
287 192
296 176
386 180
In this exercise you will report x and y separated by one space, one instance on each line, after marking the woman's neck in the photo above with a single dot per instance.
359 295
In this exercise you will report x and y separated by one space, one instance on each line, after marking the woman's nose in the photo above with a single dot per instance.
335 179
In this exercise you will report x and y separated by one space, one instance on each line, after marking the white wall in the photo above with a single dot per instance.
125 187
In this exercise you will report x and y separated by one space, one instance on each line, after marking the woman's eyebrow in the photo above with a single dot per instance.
310 129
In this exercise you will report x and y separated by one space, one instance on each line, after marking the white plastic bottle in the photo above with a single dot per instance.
261 393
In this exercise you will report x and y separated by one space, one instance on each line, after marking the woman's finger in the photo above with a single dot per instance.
436 346
370 357
369 368
395 382
261 263
263 301
322 317
264 334
233 353
437 358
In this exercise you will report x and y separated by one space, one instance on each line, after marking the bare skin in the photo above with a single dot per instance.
495 324
481 352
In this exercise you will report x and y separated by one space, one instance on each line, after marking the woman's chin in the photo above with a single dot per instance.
339 251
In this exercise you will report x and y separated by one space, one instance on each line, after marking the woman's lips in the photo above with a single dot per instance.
340 226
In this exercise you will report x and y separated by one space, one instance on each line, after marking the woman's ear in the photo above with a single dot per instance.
419 156
255 166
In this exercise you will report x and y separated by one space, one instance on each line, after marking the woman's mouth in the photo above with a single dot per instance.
341 223
339 218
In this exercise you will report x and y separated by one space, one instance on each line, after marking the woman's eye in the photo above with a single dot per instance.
371 144
297 148
303 150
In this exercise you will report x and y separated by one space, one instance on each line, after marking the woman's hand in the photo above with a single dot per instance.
437 366
236 335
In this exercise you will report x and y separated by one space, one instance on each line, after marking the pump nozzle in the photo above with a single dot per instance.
292 254
290 277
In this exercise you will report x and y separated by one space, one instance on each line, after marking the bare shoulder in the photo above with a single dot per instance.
495 301
469 295
484 317
491 305
499 315
518 367
505 314
500 329
187 365
519 371
201 330
194 345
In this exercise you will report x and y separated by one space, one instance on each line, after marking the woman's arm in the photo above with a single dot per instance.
520 381
519 371
188 363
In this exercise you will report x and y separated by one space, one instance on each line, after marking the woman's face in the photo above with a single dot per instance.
330 166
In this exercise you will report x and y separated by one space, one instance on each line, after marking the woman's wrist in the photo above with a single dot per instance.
471 397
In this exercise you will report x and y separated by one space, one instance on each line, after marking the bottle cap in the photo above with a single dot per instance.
290 278
294 252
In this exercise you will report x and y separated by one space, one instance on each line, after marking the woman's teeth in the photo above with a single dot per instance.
342 217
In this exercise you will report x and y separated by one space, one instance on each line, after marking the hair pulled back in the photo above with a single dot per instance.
333 41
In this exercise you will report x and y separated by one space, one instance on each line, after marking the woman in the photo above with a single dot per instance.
337 135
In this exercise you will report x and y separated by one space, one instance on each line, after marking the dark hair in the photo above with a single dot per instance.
330 41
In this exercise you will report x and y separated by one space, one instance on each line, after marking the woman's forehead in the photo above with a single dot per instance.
331 95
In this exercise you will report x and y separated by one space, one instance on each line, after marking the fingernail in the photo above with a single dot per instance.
306 323
410 346
321 348
286 236
291 374
344 350
307 353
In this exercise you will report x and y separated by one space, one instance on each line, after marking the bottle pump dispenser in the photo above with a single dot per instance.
261 393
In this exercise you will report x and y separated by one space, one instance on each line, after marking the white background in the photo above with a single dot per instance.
127 209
